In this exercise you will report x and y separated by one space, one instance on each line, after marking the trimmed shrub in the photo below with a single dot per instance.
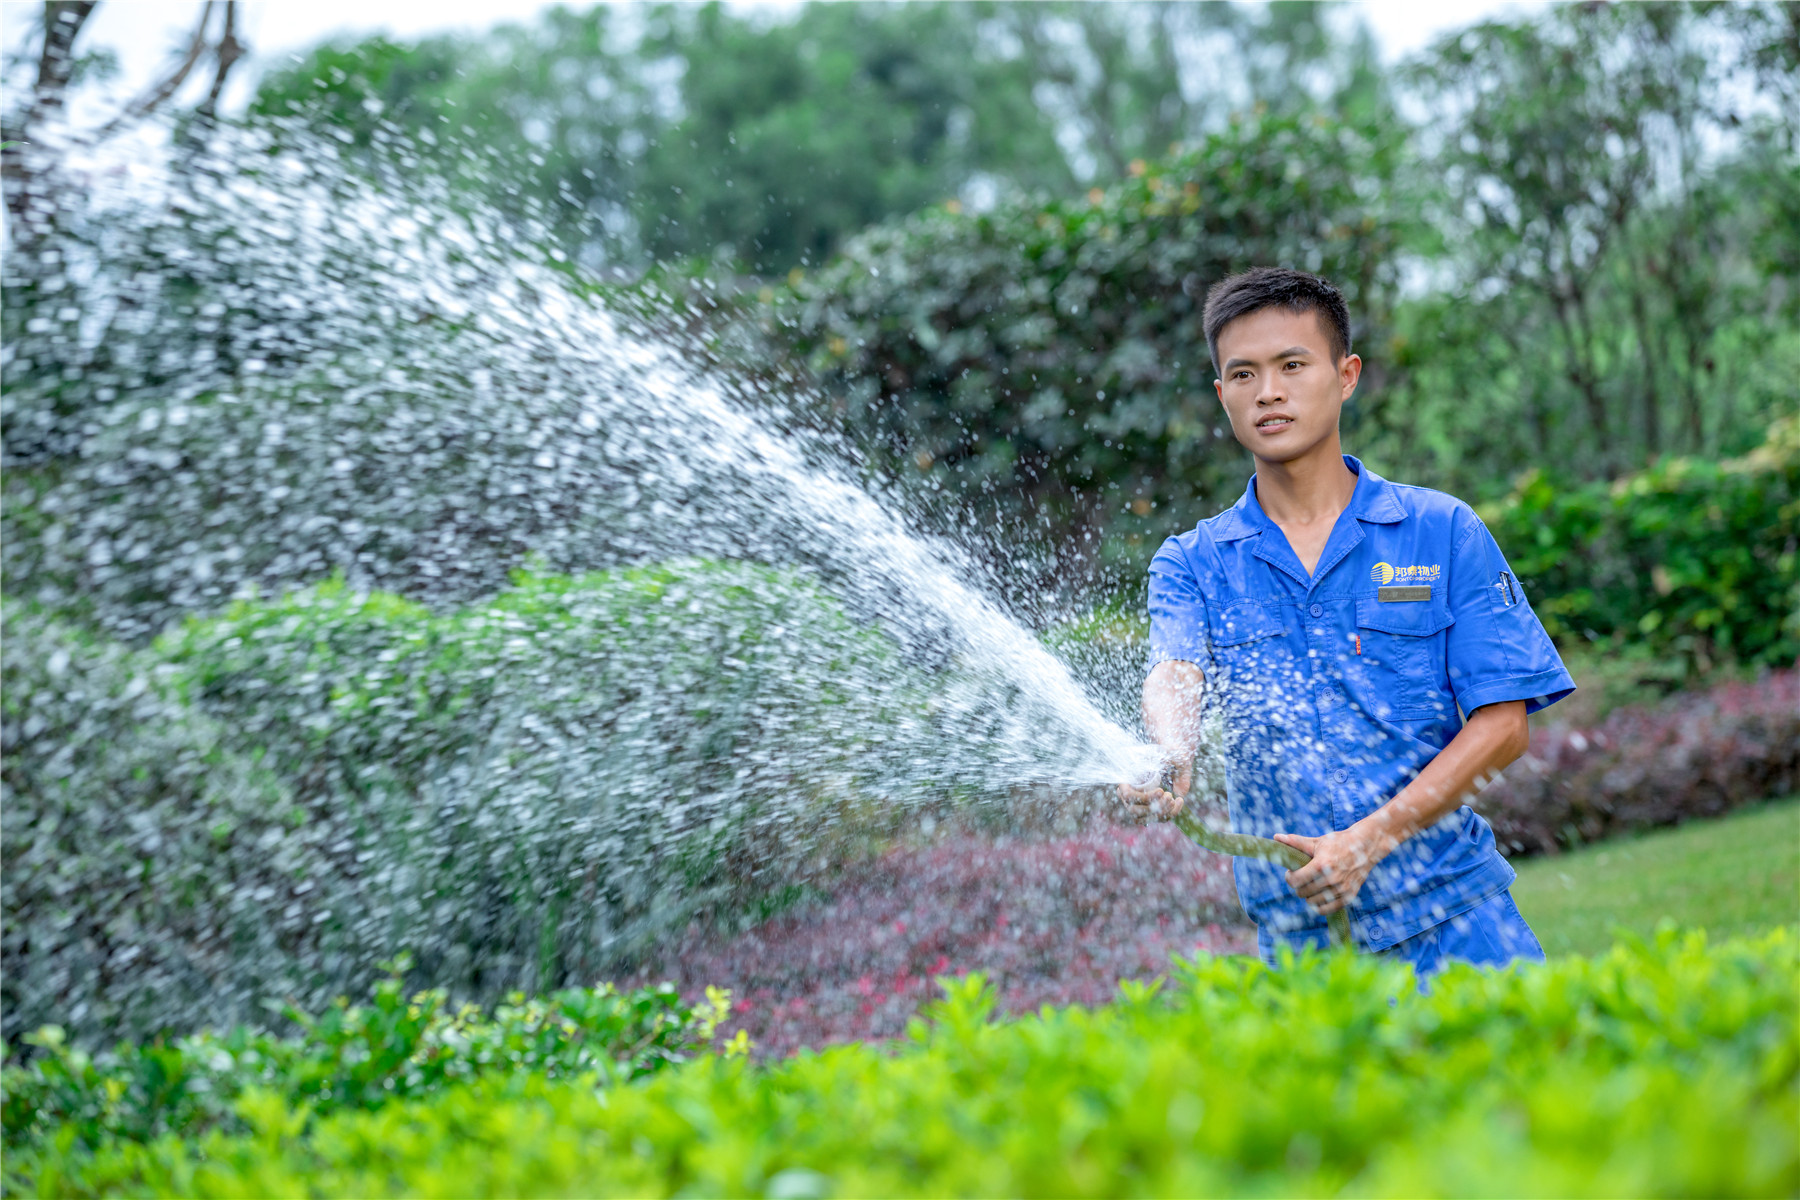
1061 919
263 366
1698 754
1666 1069
142 850
521 794
1692 560
256 367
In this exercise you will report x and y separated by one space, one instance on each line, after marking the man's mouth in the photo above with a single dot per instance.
1274 424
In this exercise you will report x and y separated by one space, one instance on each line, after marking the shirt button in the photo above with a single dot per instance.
1318 610
1341 775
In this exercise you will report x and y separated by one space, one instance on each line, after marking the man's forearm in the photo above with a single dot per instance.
1491 740
1172 706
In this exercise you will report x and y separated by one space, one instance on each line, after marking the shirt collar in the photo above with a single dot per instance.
1375 499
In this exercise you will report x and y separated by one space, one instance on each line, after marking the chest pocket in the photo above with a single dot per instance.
1401 671
1249 655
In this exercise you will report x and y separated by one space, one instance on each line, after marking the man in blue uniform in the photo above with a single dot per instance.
1372 656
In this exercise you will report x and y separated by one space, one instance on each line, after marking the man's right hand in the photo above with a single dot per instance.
1172 694
1158 801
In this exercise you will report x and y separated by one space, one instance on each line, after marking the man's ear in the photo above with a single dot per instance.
1349 372
1219 390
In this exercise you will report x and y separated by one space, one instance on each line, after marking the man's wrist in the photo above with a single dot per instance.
1175 758
1377 834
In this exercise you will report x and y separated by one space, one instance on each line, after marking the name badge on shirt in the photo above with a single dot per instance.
1401 593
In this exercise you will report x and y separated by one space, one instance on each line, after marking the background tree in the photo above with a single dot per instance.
1041 370
48 363
1608 178
765 141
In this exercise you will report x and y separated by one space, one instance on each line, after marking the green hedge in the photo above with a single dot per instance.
269 802
350 1056
1658 1069
1691 560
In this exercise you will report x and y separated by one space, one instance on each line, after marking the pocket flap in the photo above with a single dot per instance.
1243 621
1410 618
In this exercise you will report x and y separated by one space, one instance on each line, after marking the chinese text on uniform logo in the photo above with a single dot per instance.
1386 573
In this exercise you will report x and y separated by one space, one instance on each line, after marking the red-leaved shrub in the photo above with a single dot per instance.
1698 754
1056 921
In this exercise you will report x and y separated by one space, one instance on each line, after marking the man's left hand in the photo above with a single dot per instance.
1340 863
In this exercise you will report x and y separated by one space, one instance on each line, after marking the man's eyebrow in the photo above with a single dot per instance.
1290 352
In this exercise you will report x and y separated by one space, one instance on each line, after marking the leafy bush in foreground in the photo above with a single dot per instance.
1698 754
1671 1069
349 1057
270 802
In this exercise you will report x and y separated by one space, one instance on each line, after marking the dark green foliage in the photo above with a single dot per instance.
1670 1068
270 801
793 134
695 130
1693 560
360 90
347 1057
1045 361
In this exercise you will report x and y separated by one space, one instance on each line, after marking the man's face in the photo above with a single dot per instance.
1278 383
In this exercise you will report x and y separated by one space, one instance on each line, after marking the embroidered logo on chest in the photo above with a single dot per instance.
1383 573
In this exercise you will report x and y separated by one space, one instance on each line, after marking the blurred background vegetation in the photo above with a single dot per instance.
985 231
1570 239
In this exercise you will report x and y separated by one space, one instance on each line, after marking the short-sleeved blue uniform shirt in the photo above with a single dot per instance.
1336 689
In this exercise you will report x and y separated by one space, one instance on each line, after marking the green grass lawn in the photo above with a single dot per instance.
1734 874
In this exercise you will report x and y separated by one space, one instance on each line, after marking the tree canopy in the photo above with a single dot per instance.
673 131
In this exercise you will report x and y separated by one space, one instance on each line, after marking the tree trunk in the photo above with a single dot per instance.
1651 395
21 164
1571 320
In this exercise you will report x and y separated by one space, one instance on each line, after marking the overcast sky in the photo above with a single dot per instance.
145 34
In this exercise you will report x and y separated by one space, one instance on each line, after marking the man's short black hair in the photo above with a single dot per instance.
1276 287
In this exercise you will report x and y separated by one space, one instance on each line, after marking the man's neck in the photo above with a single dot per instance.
1315 487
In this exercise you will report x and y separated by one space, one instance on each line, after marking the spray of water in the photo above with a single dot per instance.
231 379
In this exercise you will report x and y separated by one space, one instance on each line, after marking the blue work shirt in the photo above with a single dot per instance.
1337 688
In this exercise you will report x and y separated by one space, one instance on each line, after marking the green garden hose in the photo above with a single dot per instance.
1244 845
